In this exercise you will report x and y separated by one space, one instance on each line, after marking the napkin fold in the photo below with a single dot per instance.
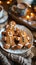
7 57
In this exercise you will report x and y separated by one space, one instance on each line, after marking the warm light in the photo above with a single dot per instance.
0 2
29 5
32 14
8 2
27 16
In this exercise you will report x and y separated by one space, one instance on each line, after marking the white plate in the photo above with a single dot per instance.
5 17
1 30
22 50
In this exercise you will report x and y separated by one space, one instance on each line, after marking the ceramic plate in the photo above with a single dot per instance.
20 51
5 17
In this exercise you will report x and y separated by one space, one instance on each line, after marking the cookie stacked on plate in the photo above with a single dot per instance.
15 38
